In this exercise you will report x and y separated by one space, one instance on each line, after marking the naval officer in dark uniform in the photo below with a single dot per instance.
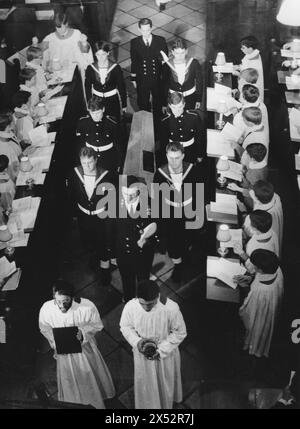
146 68
85 187
183 126
179 201
101 133
134 236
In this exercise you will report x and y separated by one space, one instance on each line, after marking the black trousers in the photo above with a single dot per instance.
93 233
144 90
134 268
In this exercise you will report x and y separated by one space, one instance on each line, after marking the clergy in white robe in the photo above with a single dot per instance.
264 198
157 382
82 378
260 309
252 59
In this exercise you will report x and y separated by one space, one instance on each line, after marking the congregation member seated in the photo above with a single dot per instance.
104 78
7 186
67 45
252 59
255 170
28 82
34 55
265 198
183 74
22 117
257 229
260 309
9 145
253 130
250 98
247 76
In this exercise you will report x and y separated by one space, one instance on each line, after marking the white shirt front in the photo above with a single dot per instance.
89 185
180 70
131 207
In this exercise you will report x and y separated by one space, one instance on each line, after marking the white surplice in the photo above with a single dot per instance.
274 207
82 378
260 310
157 383
254 61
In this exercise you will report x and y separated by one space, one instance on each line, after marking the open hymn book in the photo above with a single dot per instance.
224 270
224 203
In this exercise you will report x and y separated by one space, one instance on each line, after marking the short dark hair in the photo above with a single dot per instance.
20 98
175 97
264 191
252 114
33 52
265 260
5 120
62 287
257 151
261 220
101 45
249 42
87 152
60 18
26 74
147 290
250 75
95 103
250 93
145 21
178 44
4 161
174 147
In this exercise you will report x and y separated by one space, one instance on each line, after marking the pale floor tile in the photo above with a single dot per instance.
122 36
193 35
161 19
122 54
176 27
197 52
143 12
127 5
194 19
178 11
123 20
134 28
196 4
162 33
126 65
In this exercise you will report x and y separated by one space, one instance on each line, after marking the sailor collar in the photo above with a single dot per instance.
100 174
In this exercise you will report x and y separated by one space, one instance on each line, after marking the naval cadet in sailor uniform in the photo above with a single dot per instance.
183 126
101 133
85 190
176 203
146 68
135 235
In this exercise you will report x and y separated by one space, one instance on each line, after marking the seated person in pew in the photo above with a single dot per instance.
9 145
250 98
34 55
260 309
248 76
252 59
264 198
7 186
258 234
256 169
253 131
22 117
28 82
67 45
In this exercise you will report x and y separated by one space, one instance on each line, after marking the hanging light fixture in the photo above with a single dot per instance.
289 13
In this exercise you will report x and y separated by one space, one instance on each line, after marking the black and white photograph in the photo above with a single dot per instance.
150 207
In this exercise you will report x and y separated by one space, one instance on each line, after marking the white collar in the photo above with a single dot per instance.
263 236
267 206
256 165
148 40
33 66
6 135
261 277
22 111
247 104
25 88
253 55
132 206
